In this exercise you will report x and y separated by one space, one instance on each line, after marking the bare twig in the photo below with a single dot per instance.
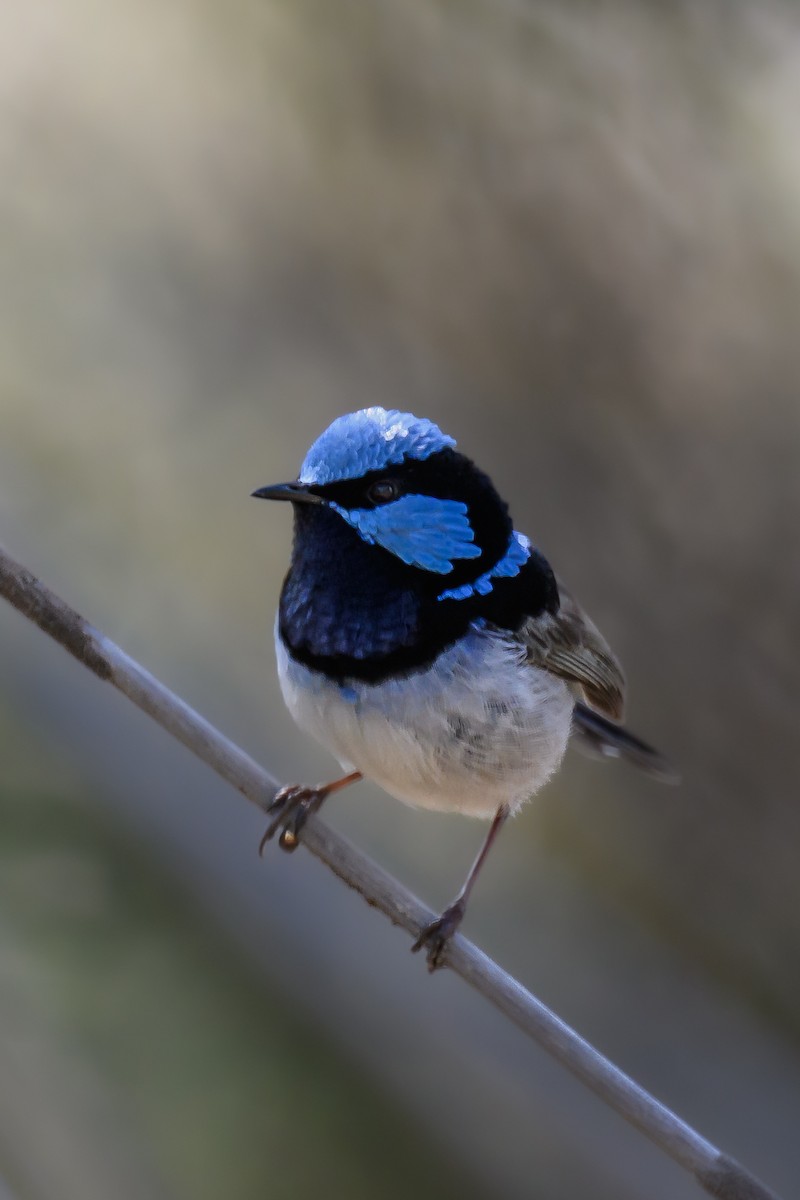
718 1174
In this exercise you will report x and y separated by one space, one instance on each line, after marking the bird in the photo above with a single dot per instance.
427 643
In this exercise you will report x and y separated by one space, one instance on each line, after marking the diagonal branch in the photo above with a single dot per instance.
718 1174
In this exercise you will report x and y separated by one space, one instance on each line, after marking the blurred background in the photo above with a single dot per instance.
569 233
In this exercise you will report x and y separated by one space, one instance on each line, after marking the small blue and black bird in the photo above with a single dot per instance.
426 643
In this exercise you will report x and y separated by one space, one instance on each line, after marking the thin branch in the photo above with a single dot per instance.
718 1174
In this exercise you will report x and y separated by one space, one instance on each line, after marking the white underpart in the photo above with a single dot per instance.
478 728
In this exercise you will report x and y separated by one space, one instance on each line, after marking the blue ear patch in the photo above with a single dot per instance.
370 440
420 530
514 559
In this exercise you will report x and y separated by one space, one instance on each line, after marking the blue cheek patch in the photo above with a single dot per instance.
370 440
420 530
512 562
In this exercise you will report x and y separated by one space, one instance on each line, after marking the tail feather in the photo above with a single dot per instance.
602 738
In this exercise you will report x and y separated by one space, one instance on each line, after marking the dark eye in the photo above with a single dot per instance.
382 491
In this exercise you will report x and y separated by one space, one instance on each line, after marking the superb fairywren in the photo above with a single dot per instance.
427 643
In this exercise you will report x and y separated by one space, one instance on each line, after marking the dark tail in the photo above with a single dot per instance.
601 738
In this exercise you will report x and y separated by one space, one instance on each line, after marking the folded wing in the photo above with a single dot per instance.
567 643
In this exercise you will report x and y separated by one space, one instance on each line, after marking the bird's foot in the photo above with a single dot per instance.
435 937
292 806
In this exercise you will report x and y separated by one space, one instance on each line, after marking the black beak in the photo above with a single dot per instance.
298 493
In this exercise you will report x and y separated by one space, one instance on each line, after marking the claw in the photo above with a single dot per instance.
435 937
292 805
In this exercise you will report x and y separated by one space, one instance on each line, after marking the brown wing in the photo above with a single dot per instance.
568 644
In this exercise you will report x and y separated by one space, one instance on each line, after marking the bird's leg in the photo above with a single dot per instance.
292 806
434 937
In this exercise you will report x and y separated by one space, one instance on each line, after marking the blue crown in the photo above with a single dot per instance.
370 440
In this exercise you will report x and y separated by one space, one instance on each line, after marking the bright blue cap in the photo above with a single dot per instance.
370 440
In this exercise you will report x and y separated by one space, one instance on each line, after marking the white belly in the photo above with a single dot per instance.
478 728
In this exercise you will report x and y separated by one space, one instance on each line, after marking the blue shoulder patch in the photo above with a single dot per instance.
515 557
420 530
369 440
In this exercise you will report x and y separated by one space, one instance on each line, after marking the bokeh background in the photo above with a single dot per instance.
568 232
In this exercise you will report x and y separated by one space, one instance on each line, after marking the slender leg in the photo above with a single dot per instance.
292 806
434 937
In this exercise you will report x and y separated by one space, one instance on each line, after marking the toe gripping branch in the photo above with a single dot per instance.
434 937
291 806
